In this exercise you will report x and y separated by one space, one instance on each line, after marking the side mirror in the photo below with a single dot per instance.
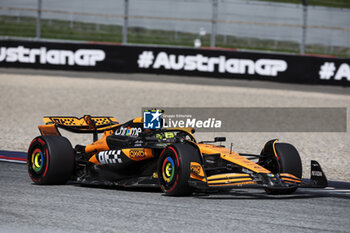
220 139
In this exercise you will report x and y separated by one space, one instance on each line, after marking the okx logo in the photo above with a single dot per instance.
152 119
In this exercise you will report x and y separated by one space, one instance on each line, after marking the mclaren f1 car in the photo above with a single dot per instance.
130 154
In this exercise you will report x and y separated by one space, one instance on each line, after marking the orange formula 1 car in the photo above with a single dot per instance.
128 154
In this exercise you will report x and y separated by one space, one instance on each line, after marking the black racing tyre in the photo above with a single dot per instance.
174 168
287 160
50 160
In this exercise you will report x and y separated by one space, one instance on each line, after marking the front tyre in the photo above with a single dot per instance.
174 168
281 158
50 160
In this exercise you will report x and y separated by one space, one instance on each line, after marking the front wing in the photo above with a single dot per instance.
199 181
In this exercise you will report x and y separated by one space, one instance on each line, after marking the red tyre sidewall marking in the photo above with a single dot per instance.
29 157
175 183
41 141
161 153
278 160
35 180
164 164
177 157
31 145
162 186
178 165
47 161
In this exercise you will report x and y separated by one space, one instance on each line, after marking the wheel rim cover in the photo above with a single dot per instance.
37 160
168 169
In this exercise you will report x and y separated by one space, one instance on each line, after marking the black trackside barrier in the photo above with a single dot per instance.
175 61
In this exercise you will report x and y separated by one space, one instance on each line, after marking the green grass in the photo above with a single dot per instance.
58 29
327 3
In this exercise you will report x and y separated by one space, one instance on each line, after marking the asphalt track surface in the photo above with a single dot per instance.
24 207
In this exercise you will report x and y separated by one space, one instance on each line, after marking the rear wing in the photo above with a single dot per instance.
85 124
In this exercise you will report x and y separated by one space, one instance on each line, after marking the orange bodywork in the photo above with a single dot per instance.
197 172
138 154
138 120
98 146
232 184
233 157
47 130
290 178
94 160
230 179
234 179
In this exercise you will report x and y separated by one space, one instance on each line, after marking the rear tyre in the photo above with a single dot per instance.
287 160
50 160
174 169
